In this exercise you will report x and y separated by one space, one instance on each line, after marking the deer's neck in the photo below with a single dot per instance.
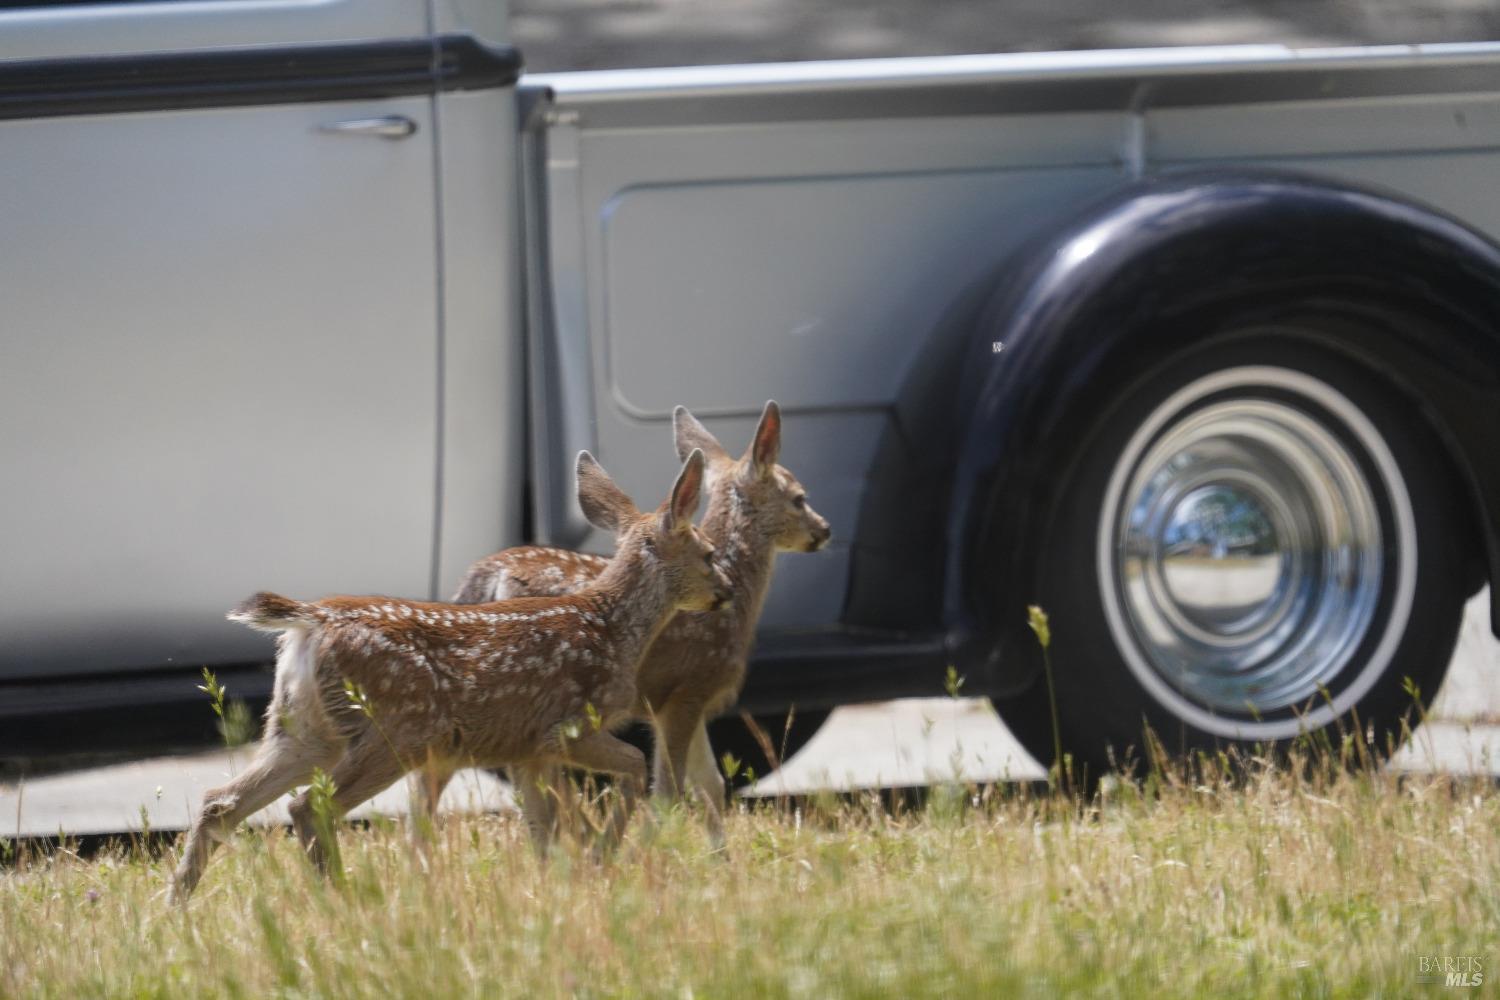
745 554
631 596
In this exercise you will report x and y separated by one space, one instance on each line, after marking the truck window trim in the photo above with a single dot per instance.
216 78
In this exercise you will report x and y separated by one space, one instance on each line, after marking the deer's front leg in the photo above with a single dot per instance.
425 785
540 787
676 724
604 752
703 773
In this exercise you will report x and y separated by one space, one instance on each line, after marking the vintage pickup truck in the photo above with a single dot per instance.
1199 349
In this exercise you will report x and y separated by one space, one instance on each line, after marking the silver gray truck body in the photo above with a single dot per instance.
241 350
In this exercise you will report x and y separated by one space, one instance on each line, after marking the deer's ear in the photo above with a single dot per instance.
765 447
604 504
683 503
688 433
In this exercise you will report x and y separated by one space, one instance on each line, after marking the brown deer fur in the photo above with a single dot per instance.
500 683
696 666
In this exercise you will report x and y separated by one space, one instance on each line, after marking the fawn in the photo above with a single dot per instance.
373 686
696 667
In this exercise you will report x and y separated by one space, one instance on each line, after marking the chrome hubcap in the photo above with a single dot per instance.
1221 561
1240 545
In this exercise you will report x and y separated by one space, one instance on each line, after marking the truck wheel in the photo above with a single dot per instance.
1255 540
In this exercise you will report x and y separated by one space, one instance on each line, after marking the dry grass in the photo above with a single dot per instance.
1185 885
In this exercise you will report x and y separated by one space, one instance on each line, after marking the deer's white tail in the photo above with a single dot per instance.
296 659
273 613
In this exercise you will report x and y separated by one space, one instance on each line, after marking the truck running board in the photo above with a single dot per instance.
164 710
838 666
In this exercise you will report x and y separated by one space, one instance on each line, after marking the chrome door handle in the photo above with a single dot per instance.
386 126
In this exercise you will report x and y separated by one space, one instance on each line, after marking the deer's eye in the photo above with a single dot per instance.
708 558
800 501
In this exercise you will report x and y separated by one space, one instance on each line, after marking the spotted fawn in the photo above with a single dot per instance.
696 667
367 688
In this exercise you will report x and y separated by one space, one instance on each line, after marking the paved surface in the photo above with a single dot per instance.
164 793
890 745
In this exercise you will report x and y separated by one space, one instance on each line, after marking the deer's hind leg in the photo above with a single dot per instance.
368 766
280 764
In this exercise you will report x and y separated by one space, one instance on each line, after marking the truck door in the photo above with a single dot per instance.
218 320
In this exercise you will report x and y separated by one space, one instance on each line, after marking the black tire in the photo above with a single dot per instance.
1122 629
729 734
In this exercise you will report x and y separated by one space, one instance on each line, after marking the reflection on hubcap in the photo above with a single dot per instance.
1220 559
1241 546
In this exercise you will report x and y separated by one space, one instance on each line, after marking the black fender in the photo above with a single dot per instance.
1128 279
